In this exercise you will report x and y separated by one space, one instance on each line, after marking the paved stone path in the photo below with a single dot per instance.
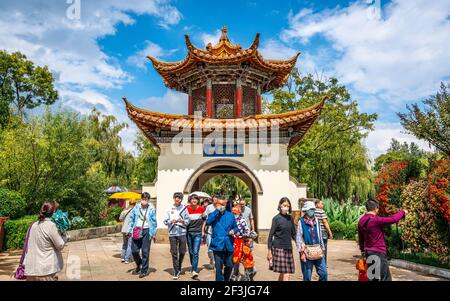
100 260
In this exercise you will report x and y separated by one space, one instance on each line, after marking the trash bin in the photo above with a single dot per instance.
3 220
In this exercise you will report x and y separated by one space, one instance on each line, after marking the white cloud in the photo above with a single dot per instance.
210 38
276 50
171 102
306 63
139 59
42 30
379 140
401 56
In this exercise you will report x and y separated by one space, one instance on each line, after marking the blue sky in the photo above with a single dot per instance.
388 53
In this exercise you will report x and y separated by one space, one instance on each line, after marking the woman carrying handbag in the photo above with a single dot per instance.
142 229
310 244
41 256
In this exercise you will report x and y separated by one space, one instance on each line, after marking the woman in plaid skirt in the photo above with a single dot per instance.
282 232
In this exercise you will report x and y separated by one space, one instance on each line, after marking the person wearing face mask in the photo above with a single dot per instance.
282 232
224 227
177 219
194 231
310 244
142 229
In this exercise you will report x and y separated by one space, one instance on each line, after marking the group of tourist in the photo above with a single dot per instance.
228 230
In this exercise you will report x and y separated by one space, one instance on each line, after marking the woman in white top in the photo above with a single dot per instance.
43 259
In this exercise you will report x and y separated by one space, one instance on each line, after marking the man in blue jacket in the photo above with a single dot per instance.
224 226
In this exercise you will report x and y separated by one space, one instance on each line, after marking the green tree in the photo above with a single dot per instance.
433 123
50 159
23 85
331 158
146 161
228 185
106 145
419 160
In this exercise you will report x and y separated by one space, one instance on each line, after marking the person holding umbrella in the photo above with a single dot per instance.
142 229
124 217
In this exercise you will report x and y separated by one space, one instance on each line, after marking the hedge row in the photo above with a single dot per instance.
343 231
16 231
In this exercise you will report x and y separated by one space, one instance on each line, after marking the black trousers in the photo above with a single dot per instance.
378 266
177 250
142 245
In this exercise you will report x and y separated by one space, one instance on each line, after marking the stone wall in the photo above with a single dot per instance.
89 233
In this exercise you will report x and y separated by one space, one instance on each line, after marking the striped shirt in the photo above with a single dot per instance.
195 219
321 215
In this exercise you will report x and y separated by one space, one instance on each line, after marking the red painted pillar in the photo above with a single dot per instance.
238 99
190 109
258 100
209 110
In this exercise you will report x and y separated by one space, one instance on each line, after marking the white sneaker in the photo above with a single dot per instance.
194 275
122 260
176 276
126 262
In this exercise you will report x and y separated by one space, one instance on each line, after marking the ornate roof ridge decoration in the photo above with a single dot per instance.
225 53
299 121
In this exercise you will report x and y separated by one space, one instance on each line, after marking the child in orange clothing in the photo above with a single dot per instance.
242 247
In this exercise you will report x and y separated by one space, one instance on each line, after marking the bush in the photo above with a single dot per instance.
439 183
389 183
351 231
12 204
425 229
77 222
338 228
347 213
16 231
114 213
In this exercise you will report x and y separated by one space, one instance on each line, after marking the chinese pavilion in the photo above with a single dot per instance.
225 131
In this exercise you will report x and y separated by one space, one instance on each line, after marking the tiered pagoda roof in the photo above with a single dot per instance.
224 65
298 122
274 73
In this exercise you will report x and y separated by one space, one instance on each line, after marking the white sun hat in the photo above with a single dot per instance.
308 205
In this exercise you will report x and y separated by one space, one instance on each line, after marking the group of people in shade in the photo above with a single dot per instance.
228 230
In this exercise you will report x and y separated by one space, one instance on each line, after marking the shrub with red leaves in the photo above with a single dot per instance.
389 183
439 187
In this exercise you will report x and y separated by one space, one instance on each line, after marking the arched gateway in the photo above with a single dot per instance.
224 131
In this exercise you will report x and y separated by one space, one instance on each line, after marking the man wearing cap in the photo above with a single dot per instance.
176 219
310 244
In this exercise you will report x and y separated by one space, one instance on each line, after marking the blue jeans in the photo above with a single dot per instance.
321 269
210 253
222 259
142 245
126 248
194 240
